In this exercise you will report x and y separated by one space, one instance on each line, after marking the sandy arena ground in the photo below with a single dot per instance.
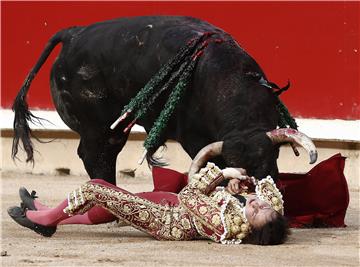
109 245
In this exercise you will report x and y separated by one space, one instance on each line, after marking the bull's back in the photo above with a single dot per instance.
103 65
135 45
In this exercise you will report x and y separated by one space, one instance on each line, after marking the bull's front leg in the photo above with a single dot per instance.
99 156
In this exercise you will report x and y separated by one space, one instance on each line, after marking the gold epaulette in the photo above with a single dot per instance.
267 191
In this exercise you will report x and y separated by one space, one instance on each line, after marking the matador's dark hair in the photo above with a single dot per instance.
274 232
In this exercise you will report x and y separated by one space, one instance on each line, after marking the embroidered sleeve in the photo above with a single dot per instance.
206 211
206 179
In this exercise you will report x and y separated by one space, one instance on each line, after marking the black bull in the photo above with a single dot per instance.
102 66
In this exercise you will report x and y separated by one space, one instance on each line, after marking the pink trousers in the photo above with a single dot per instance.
96 215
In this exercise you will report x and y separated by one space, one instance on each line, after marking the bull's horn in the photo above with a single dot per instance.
284 135
207 152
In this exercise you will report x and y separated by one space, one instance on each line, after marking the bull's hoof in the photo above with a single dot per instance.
27 199
19 216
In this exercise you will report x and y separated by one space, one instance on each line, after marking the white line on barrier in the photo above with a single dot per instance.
334 130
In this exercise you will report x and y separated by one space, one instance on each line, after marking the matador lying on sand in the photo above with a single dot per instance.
203 211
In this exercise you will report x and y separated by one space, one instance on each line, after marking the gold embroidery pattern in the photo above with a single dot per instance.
218 216
207 212
161 221
236 225
267 191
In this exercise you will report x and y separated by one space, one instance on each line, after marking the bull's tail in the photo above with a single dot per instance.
20 107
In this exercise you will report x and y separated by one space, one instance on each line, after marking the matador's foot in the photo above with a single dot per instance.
19 216
27 198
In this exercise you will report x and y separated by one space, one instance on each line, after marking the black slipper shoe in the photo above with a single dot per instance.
19 216
27 198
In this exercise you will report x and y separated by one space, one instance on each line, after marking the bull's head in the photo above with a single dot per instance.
258 155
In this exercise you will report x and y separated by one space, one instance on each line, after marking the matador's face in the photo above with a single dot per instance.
258 212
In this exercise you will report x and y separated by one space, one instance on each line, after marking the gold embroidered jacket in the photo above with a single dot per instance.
216 214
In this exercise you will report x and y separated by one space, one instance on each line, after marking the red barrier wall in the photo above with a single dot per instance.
314 44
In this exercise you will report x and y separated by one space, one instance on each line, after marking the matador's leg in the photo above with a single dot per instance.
162 222
96 215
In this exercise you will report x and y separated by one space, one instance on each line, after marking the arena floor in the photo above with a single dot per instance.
110 245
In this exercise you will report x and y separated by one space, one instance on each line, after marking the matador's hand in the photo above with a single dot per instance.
238 173
236 186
